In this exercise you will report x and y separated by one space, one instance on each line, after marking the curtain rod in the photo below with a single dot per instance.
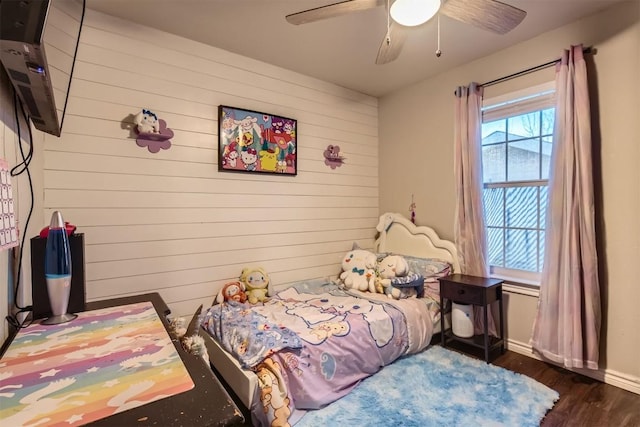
587 50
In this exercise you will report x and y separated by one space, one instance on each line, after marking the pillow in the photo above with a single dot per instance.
430 269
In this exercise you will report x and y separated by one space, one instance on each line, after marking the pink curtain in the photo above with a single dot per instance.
469 227
567 324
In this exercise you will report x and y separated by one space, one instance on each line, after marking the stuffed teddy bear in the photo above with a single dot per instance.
358 269
391 267
256 282
147 122
232 291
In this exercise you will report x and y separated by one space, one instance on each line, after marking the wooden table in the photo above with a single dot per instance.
480 292
206 404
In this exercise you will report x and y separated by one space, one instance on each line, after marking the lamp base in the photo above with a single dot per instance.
61 318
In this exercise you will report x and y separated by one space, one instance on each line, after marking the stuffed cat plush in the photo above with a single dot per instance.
256 283
358 269
232 291
391 267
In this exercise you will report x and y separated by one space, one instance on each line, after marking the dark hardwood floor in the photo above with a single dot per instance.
583 402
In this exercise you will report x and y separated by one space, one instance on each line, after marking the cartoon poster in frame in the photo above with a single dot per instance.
250 141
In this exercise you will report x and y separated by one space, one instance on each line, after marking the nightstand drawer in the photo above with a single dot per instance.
462 293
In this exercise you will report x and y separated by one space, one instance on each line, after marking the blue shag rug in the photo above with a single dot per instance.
439 387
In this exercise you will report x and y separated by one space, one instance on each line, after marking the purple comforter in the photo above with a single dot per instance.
345 338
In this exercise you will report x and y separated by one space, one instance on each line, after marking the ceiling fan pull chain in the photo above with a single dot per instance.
438 52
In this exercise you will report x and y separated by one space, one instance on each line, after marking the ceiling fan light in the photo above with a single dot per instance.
413 12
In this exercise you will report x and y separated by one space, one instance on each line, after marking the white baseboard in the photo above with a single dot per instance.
608 376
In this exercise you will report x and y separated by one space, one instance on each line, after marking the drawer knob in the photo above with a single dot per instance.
460 291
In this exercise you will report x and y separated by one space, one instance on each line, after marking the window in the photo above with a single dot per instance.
517 135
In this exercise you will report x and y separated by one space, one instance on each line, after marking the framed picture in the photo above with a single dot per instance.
250 141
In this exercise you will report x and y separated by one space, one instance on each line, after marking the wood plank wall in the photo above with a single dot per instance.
170 222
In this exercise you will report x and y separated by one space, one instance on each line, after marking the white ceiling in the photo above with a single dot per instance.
341 50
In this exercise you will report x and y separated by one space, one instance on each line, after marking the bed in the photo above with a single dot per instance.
316 363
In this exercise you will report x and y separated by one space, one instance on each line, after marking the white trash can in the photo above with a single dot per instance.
462 320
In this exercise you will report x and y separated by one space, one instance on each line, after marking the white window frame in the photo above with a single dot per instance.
534 98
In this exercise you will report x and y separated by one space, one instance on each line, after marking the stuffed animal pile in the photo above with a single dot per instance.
252 286
362 271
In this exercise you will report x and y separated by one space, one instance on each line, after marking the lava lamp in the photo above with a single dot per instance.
57 271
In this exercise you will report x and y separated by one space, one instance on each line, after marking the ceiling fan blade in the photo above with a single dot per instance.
390 50
330 11
490 15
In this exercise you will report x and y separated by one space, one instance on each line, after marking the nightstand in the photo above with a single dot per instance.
480 292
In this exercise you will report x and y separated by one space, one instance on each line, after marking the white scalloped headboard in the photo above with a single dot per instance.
399 235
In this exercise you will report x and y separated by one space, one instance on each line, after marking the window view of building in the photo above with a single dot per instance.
516 152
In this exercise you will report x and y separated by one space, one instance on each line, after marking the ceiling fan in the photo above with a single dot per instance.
490 15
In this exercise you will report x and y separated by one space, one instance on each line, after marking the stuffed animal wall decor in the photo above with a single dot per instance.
358 269
332 156
256 282
147 122
232 291
153 132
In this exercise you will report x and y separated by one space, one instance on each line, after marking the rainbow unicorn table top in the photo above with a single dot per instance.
104 362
